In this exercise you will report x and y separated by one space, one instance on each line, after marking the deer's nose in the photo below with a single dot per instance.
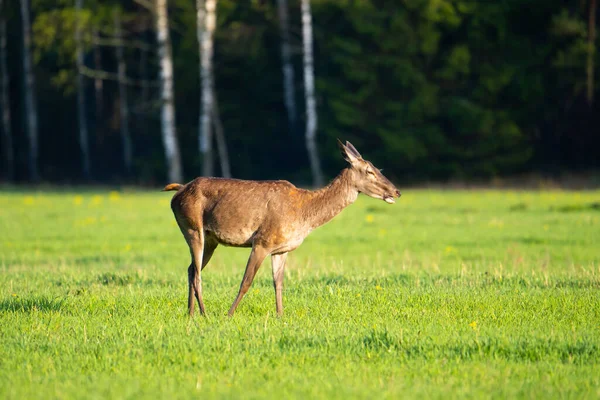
398 193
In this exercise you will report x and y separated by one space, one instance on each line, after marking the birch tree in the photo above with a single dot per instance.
309 94
30 102
286 63
206 23
209 110
7 144
168 102
123 106
81 100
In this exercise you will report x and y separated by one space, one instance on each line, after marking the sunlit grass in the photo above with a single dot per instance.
461 293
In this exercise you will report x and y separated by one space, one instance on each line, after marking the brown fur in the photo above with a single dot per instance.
271 217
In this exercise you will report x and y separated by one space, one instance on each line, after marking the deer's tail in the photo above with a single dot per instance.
172 186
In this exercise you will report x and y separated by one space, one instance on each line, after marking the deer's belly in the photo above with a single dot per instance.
231 238
231 229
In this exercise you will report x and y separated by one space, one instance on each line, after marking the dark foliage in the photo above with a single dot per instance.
428 89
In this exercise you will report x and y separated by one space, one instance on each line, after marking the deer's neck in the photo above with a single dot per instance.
328 202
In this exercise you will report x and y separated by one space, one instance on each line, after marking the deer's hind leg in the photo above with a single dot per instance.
210 244
195 240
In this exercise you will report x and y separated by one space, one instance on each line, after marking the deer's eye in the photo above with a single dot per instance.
370 172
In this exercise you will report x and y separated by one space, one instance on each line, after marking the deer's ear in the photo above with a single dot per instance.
349 153
355 152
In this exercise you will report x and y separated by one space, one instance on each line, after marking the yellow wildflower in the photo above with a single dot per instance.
450 250
89 221
114 196
96 200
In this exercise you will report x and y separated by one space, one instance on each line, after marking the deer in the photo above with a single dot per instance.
270 217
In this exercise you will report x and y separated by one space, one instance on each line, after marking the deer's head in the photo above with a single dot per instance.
366 178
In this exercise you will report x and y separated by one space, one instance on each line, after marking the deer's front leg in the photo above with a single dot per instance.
257 255
278 263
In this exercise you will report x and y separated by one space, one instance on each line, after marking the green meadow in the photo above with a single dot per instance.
460 293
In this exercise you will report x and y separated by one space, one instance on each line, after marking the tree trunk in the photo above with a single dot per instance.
591 51
168 103
7 145
145 89
123 106
83 128
220 136
212 115
206 23
286 62
309 94
98 89
30 102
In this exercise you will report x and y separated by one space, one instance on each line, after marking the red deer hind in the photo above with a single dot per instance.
271 217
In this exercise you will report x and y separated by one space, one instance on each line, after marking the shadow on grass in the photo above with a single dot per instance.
577 207
131 279
31 304
482 280
532 350
116 279
384 343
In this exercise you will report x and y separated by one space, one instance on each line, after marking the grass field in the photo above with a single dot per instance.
480 294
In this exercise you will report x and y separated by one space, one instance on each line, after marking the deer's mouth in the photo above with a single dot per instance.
389 199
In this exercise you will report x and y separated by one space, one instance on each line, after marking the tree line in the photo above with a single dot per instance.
145 91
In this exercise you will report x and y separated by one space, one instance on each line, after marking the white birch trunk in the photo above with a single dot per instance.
30 102
123 106
206 27
81 103
7 145
286 62
309 94
213 115
168 102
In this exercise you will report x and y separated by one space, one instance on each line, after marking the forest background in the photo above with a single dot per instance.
428 89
